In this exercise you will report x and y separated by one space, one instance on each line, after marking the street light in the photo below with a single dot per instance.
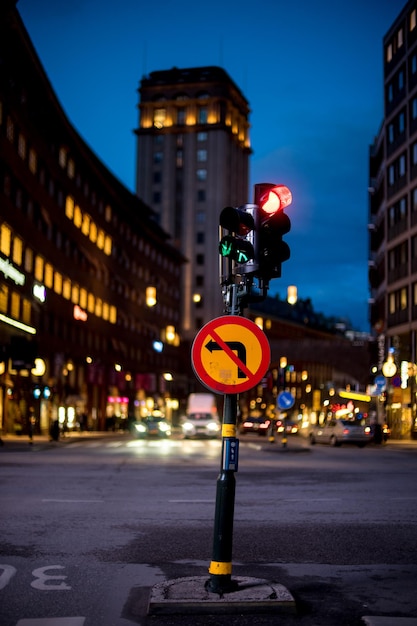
291 294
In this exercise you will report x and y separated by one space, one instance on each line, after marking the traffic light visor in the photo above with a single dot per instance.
272 198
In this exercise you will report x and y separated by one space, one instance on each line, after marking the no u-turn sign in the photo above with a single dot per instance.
230 354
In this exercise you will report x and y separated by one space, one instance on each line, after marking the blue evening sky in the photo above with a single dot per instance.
312 73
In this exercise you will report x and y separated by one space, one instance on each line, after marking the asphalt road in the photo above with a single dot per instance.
88 527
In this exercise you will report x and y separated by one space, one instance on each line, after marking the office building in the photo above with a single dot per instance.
89 284
192 160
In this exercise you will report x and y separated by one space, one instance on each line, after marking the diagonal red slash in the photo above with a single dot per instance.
240 364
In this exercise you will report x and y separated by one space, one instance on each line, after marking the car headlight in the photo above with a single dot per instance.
141 428
214 426
163 427
187 426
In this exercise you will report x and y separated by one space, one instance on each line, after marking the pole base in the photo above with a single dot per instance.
221 584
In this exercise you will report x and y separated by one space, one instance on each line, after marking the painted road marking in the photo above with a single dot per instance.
52 621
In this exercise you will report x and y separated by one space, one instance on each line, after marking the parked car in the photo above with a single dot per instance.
336 432
154 425
257 425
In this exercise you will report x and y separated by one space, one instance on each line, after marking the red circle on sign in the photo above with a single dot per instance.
237 341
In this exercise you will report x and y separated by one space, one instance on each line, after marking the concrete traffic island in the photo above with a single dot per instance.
191 595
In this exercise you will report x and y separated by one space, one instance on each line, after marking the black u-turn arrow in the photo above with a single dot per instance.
237 346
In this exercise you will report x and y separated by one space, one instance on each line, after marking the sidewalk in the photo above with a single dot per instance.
23 440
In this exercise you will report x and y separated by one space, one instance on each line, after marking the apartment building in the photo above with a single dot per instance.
393 224
193 160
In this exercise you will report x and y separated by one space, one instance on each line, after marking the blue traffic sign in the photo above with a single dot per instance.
285 400
380 381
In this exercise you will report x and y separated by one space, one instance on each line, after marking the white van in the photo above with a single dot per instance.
202 418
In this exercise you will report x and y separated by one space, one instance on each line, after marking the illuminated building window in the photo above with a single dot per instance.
83 298
202 136
71 168
90 303
62 157
66 289
93 232
107 213
107 245
26 311
413 20
39 264
159 117
403 298
15 305
389 53
28 260
201 155
400 38
100 239
21 146
78 216
69 207
75 294
105 311
58 283
33 161
85 228
5 239
4 294
17 250
113 315
201 174
99 307
49 275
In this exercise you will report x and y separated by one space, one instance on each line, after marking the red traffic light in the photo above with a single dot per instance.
272 198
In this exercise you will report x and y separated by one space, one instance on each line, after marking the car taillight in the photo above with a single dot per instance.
346 431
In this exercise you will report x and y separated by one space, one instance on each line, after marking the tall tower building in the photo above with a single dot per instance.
193 160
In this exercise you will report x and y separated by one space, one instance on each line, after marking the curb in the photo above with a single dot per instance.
190 596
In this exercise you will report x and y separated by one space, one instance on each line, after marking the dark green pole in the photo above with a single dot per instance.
221 565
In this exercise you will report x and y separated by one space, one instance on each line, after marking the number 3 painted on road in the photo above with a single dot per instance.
41 578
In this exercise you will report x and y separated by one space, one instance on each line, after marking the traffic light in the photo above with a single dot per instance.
239 244
272 225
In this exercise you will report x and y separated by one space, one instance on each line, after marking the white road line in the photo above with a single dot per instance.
64 500
191 501
52 621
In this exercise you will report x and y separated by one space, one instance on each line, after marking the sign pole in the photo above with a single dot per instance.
221 565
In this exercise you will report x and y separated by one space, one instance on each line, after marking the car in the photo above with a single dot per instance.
336 432
290 428
257 425
154 425
201 425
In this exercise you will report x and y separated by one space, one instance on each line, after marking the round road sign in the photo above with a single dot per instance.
230 354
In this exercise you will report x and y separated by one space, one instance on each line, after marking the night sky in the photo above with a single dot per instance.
312 72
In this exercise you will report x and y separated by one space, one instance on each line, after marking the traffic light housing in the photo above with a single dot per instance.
239 244
272 225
